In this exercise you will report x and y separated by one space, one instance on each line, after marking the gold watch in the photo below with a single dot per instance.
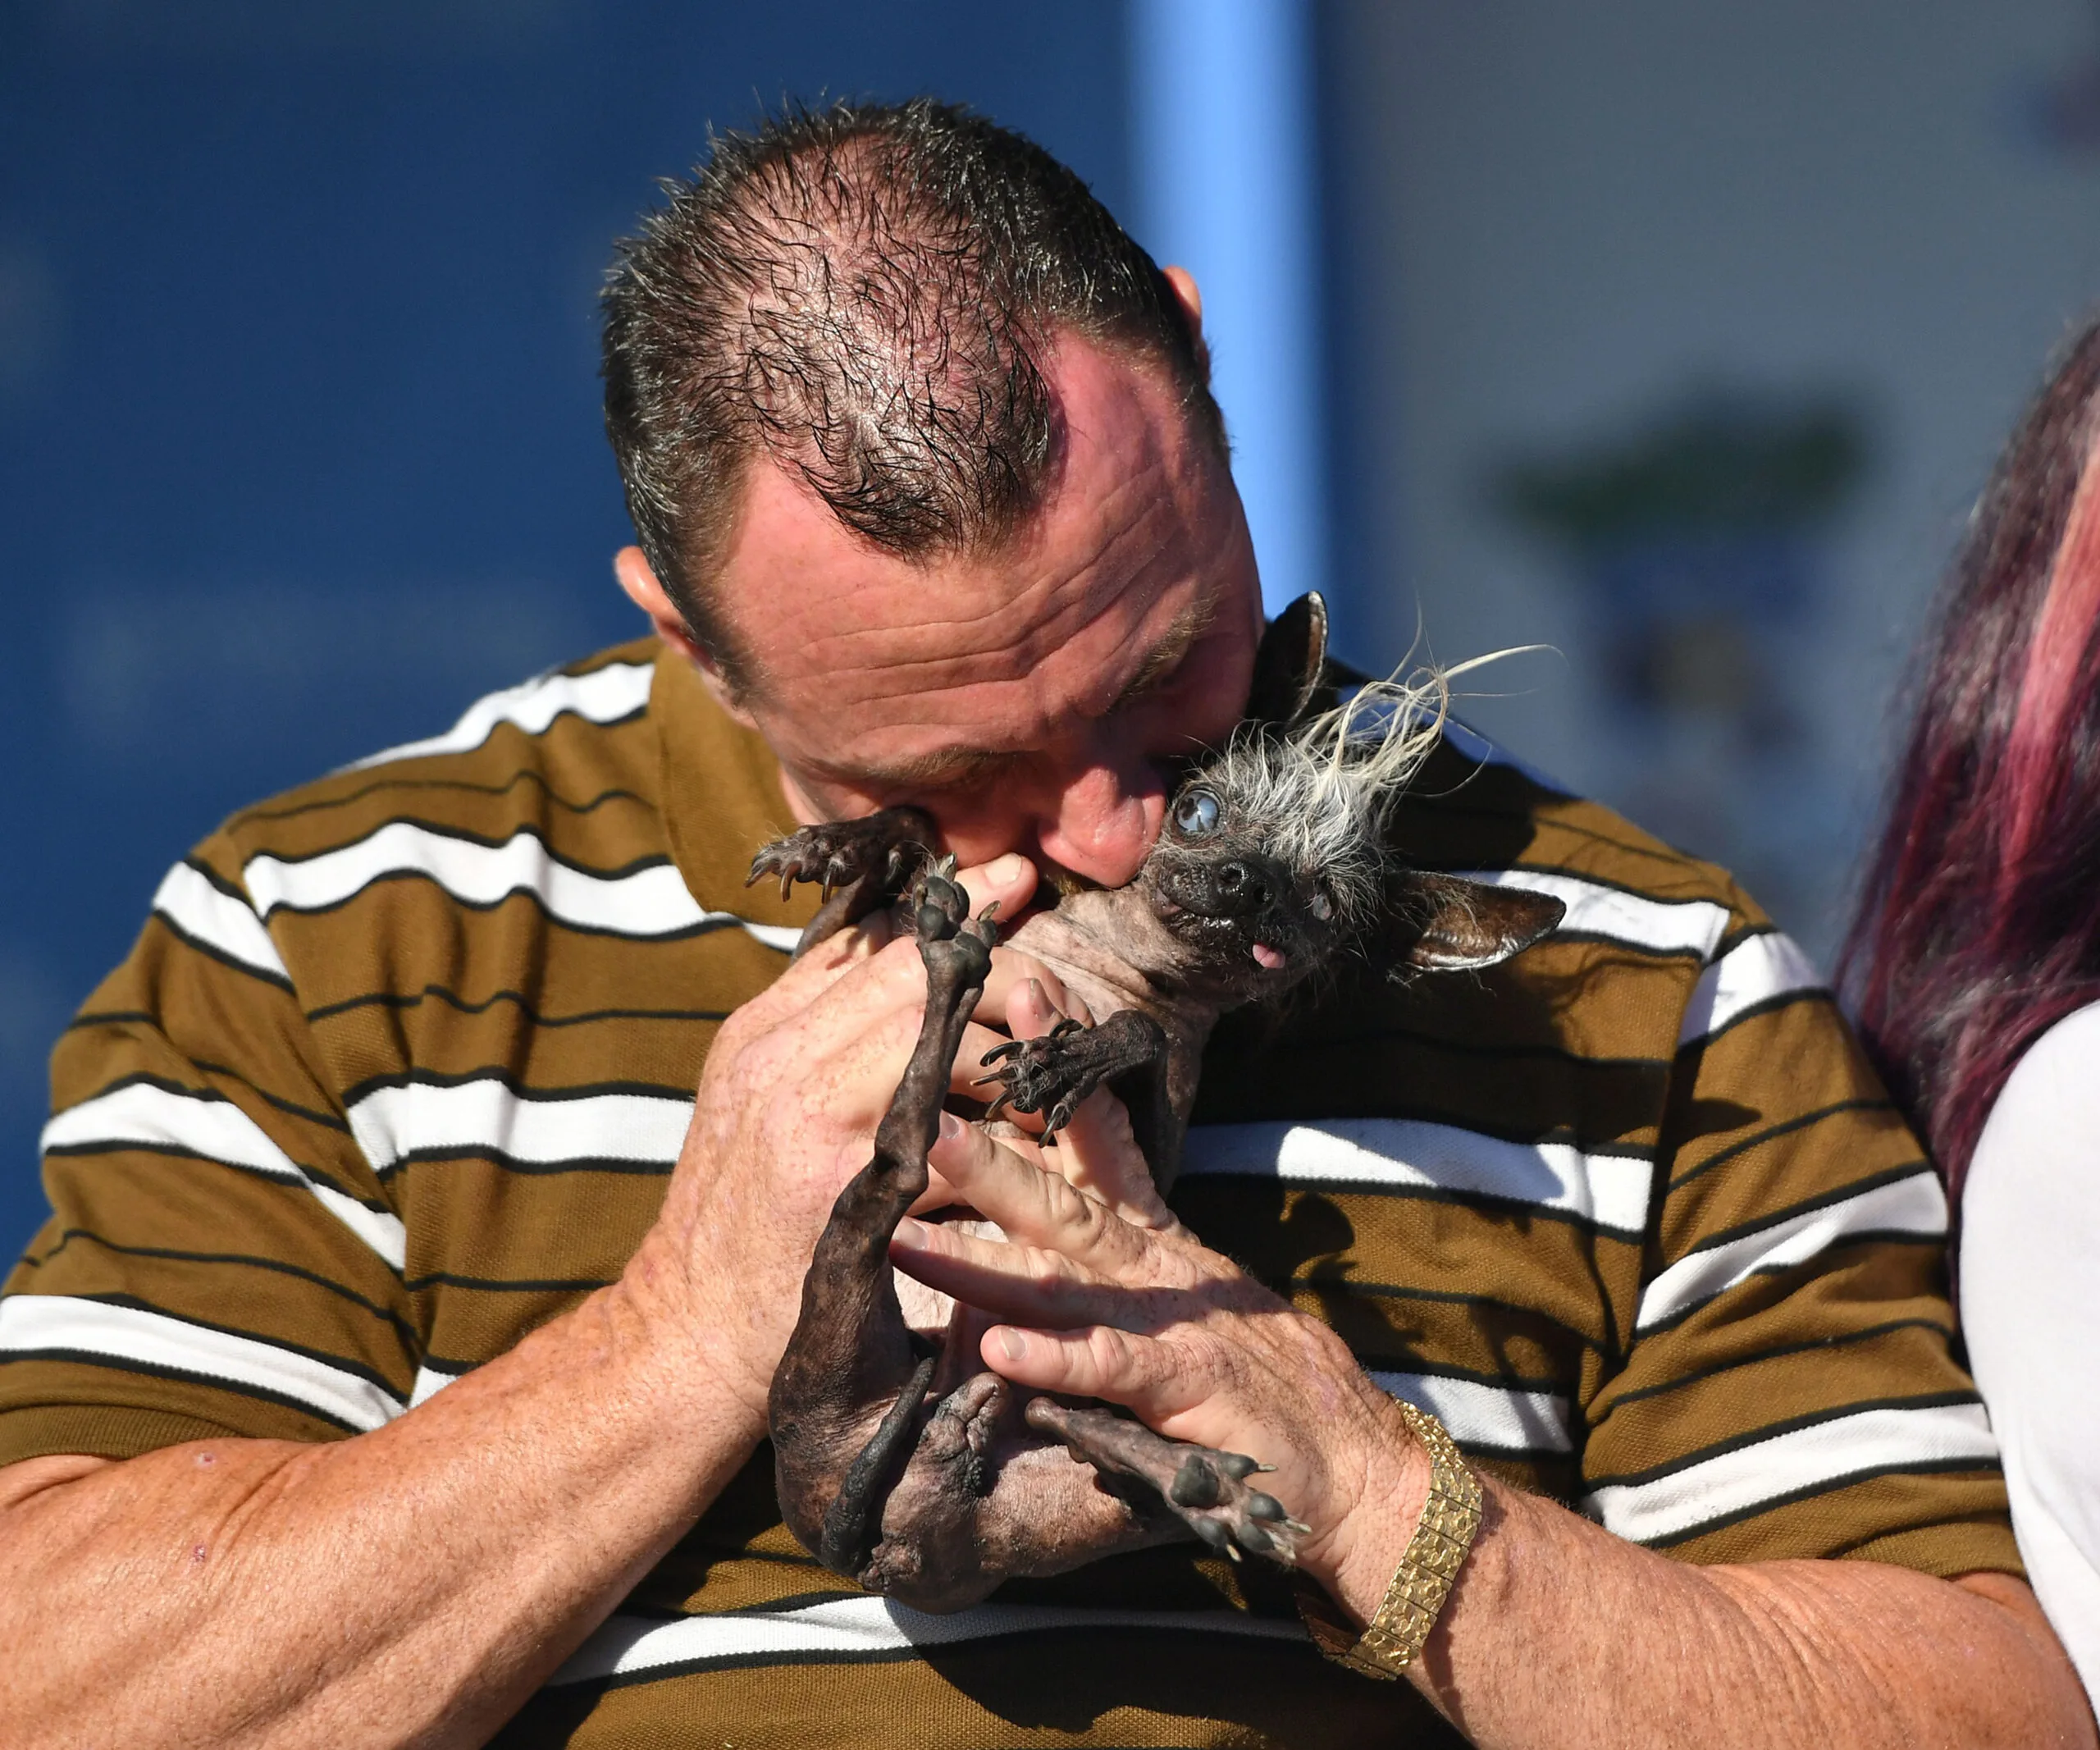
1394 1638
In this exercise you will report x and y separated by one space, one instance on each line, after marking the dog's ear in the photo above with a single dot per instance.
1288 665
1443 924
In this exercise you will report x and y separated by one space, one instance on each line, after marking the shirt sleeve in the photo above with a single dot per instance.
2030 1230
219 1259
1790 1386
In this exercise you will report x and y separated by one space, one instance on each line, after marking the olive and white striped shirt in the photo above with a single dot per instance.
401 1061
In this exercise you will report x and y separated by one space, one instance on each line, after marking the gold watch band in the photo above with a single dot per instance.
1394 1638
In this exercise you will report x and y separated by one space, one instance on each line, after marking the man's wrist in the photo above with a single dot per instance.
1400 1628
1359 1559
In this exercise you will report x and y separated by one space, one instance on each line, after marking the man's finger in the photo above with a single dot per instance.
1012 973
1025 1283
1031 1011
1145 1376
1098 1152
1035 1207
968 1067
1008 882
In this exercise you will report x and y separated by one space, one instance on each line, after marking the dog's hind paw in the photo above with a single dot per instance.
1206 1490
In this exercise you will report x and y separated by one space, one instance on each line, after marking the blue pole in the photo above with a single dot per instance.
1222 100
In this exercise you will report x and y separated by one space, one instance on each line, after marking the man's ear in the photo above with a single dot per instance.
1191 300
1288 662
638 578
1443 924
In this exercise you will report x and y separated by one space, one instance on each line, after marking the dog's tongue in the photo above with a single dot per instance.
1269 958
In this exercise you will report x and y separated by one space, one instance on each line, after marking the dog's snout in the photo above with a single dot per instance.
1241 886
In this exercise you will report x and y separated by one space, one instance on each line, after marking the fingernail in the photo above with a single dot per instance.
951 1127
910 1235
1006 869
1012 1344
1037 994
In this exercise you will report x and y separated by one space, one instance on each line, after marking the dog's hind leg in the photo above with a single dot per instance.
846 1405
1206 1490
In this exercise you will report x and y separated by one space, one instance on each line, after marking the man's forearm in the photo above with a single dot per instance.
411 1585
1560 1634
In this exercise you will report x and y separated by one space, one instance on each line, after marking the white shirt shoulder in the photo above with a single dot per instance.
2030 1306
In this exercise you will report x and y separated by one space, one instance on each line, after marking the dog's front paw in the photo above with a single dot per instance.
1051 1074
889 848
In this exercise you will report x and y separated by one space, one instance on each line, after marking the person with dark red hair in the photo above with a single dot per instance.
1973 967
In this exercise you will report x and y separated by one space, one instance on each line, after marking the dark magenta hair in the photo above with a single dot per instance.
1979 925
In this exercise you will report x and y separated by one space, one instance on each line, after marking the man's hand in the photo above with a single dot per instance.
1109 1303
1557 1633
795 1083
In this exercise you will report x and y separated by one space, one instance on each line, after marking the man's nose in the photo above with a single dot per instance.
1104 819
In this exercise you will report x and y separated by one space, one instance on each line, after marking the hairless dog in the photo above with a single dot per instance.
900 1459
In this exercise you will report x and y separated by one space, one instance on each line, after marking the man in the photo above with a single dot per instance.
404 1317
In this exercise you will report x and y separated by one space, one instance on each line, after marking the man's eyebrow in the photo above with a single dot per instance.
1170 653
940 769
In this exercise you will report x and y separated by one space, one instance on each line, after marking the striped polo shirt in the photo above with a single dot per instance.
401 1061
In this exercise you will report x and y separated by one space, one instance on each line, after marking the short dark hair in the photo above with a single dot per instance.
863 292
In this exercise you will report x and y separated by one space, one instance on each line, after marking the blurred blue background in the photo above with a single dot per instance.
300 446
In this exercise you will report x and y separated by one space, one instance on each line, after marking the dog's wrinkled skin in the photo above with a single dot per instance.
900 1459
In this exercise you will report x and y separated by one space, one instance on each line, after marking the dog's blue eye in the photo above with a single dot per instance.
1196 813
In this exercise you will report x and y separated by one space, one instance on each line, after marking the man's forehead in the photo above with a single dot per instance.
1119 562
893 708
960 730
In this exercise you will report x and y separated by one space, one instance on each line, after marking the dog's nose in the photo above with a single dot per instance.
1242 885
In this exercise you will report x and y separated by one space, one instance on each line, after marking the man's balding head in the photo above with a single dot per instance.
866 295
